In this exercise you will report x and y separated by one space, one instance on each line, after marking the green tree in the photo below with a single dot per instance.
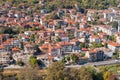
106 45
112 38
64 60
67 58
85 74
28 73
51 5
71 36
33 61
115 24
116 54
22 46
9 30
41 42
82 54
58 39
85 3
73 74
32 38
20 63
37 48
97 45
107 75
96 75
52 15
84 45
74 58
56 71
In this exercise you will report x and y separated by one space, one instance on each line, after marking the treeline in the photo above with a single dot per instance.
58 71
93 4
53 4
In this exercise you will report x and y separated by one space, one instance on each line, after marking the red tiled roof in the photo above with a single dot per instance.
64 43
28 45
60 31
2 47
15 49
74 40
84 49
113 43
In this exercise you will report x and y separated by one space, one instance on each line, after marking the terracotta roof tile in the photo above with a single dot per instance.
15 49
84 49
2 47
113 43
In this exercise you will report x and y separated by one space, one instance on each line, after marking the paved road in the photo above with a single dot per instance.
101 63
13 67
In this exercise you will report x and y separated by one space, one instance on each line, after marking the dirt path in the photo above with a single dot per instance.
17 71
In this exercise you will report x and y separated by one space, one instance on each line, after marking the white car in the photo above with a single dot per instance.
116 60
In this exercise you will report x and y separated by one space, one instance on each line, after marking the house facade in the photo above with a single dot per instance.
95 55
113 45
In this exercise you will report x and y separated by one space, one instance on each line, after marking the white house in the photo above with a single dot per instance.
113 45
118 38
108 53
28 33
95 38
107 29
64 38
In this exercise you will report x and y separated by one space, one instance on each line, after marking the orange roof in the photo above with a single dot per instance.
44 46
94 36
41 27
50 47
1 36
54 46
15 49
103 20
113 43
102 33
84 49
63 35
28 45
25 43
60 31
64 43
85 29
26 36
92 51
7 42
74 40
2 47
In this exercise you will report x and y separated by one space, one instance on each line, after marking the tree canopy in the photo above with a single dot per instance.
54 4
33 61
115 24
56 71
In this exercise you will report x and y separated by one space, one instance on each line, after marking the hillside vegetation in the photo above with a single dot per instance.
53 4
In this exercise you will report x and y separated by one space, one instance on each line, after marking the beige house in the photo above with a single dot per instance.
28 48
95 55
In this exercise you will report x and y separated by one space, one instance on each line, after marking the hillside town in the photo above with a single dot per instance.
59 40
90 37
